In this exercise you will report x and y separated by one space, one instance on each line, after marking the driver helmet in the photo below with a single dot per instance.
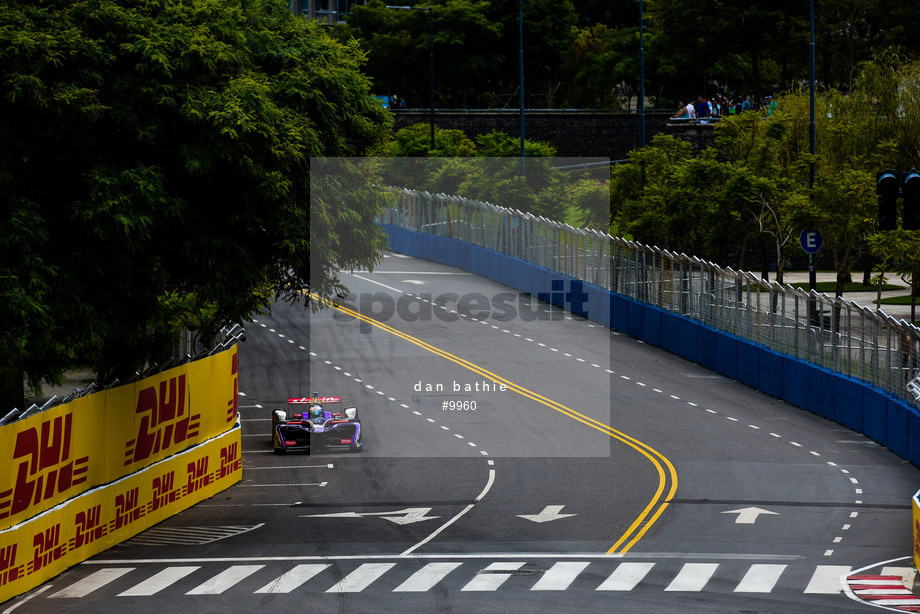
316 411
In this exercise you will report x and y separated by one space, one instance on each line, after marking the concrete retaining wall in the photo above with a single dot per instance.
573 133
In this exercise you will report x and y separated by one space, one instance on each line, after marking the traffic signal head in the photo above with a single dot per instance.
911 191
886 187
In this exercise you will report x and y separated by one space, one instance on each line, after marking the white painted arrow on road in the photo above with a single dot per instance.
550 512
409 515
749 515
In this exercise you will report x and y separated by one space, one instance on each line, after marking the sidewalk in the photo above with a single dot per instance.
864 299
78 378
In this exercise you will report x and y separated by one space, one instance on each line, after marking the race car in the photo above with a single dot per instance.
311 424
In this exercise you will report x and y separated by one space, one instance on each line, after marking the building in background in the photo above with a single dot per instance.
329 12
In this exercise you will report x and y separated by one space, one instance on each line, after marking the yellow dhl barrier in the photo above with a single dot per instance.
70 449
916 508
44 546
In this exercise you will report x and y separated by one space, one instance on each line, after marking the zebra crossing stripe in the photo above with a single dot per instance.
91 582
225 580
692 577
626 576
361 578
560 576
826 579
158 581
492 581
426 578
293 579
760 579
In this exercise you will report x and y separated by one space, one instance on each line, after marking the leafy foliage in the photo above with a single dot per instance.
398 43
490 169
585 53
756 184
156 167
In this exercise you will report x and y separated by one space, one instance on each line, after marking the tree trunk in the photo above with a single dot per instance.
764 261
12 390
914 282
878 296
842 277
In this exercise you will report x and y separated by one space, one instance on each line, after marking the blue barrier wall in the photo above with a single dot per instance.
839 398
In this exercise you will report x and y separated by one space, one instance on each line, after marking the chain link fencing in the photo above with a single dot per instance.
839 335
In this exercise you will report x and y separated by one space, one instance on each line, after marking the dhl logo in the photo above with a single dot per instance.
9 570
48 548
127 509
233 404
46 469
230 461
89 527
198 476
164 491
164 420
917 539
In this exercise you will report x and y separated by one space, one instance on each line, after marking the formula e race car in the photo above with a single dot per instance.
311 424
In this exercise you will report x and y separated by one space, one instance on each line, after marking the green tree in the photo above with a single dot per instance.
890 86
591 198
411 163
663 195
398 46
756 183
756 146
729 44
503 178
898 250
548 35
602 67
157 158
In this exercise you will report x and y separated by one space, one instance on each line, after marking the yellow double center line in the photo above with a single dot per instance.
667 475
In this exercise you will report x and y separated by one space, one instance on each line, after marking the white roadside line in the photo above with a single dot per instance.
845 586
379 284
320 484
26 598
326 466
458 555
458 516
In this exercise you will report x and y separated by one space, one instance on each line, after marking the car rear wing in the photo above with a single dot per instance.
312 400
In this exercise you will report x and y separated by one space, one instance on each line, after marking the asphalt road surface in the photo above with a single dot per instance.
516 459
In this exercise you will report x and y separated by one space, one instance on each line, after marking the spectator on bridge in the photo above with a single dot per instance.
771 105
714 107
737 103
682 112
702 108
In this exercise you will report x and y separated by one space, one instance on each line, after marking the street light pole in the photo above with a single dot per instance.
521 69
430 10
431 71
641 77
812 272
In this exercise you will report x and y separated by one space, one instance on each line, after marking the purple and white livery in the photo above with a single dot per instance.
311 424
